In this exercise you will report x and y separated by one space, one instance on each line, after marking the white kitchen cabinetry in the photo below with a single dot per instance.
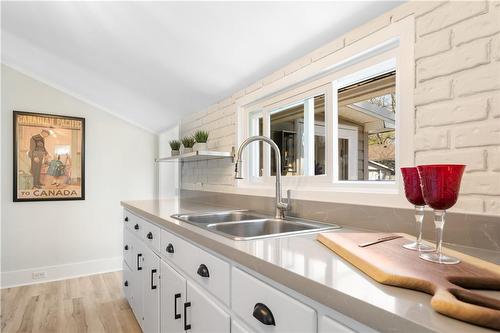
202 314
175 286
151 292
173 297
328 325
267 309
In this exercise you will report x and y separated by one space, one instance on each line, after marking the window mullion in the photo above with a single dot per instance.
308 139
335 131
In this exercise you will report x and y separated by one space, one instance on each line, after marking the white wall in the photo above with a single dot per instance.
69 238
168 172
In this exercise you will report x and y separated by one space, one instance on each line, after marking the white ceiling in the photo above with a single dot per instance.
154 62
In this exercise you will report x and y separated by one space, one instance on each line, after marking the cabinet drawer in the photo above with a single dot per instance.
209 271
271 305
151 235
134 223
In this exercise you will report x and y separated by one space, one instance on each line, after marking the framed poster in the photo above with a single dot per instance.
49 157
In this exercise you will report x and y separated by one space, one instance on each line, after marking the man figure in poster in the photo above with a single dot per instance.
37 153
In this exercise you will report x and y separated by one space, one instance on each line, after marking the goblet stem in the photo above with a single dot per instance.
439 216
417 245
419 218
438 256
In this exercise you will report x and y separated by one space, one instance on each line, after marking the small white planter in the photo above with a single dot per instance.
201 146
187 150
175 152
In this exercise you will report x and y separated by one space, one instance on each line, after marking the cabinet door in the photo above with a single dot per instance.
328 325
237 327
128 246
173 297
151 288
201 314
136 290
127 283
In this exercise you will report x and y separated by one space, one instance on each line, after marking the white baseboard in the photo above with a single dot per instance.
61 272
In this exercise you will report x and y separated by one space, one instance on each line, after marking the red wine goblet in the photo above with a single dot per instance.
440 187
413 193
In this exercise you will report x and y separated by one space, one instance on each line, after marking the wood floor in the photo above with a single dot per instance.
87 304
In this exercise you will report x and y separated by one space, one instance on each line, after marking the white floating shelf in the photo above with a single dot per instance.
201 155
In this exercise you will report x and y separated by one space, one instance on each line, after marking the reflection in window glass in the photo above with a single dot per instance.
296 137
366 127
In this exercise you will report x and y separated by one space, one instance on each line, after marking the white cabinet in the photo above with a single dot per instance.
173 297
186 307
202 314
207 270
328 325
151 292
136 285
237 327
267 309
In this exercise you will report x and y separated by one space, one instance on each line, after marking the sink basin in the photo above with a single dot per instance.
209 218
244 225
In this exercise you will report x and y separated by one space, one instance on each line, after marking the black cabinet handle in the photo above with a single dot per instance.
139 267
126 247
186 326
149 235
153 271
263 314
203 271
125 283
125 219
170 248
176 315
136 227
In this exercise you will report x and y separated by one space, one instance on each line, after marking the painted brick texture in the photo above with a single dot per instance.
457 98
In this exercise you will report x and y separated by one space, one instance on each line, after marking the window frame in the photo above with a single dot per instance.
397 38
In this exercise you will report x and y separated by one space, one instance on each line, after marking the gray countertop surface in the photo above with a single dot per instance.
306 266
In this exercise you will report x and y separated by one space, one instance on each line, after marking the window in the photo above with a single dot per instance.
299 131
344 122
367 129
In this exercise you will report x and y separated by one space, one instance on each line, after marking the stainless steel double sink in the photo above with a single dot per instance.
246 225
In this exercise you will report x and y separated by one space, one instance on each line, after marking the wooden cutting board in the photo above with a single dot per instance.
389 263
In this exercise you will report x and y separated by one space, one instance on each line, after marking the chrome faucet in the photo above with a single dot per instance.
281 206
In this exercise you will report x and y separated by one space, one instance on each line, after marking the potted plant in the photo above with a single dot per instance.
201 138
188 143
175 145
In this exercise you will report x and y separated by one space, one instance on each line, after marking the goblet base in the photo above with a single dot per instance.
439 258
416 247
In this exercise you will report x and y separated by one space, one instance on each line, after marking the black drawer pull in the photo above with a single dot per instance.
149 235
176 315
126 219
203 271
186 326
153 271
263 314
125 283
136 227
170 248
139 256
126 247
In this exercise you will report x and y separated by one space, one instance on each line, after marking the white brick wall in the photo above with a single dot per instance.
457 97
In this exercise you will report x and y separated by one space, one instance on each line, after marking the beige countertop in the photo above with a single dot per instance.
306 266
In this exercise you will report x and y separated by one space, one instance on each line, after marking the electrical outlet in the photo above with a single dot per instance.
38 275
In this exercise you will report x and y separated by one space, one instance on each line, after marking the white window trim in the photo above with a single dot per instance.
381 193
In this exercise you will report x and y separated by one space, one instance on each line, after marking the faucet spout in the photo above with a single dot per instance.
281 206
